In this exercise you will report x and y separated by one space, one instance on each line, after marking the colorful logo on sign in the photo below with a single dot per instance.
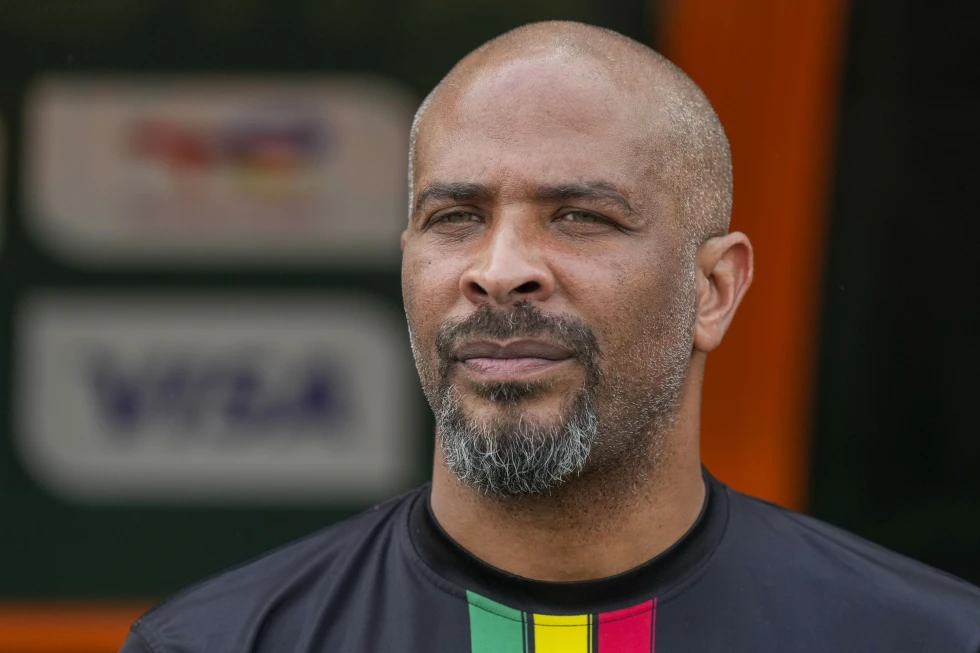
218 171
196 175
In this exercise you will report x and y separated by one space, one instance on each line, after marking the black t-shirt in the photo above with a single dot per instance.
748 577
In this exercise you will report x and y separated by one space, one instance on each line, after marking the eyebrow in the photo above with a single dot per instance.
591 190
467 192
458 191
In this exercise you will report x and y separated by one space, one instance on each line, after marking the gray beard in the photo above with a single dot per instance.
511 457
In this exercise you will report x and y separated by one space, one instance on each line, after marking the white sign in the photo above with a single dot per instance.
306 398
218 171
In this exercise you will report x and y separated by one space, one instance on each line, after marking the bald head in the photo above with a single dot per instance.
678 137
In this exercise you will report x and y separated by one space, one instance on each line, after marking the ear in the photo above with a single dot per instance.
404 236
724 274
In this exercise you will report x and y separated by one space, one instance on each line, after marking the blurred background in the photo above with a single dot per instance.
202 348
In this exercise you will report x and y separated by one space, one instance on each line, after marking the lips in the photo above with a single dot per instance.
511 350
498 360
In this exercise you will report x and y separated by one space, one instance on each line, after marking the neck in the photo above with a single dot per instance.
592 527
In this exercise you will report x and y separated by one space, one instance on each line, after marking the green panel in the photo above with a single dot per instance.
495 628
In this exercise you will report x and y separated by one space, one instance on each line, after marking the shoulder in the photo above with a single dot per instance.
224 606
844 567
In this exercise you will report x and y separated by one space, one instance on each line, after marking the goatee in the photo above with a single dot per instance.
510 455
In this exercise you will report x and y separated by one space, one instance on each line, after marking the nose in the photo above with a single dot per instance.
508 269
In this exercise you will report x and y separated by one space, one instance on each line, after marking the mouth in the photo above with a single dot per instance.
510 360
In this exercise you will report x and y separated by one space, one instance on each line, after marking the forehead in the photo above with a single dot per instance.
536 121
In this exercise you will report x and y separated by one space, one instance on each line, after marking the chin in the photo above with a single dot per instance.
504 418
517 448
523 398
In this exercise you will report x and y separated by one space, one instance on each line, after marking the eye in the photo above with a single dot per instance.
582 217
456 217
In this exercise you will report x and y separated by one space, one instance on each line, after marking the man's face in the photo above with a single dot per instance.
546 283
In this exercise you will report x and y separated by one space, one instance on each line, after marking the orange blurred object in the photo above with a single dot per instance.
771 70
66 627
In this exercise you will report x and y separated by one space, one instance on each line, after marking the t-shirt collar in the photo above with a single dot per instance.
653 578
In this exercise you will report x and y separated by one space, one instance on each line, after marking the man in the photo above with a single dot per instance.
567 268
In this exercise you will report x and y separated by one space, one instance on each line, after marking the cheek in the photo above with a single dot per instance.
430 286
630 308
612 292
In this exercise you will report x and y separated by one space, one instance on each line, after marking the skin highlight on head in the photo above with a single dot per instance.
566 269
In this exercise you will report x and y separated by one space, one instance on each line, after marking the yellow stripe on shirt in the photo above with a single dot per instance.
563 633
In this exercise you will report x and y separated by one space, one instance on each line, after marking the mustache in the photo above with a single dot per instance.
523 321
